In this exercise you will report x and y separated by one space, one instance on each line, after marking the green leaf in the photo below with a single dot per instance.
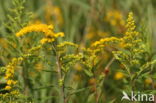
112 101
79 90
89 73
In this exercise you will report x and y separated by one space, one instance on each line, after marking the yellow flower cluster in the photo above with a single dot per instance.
118 76
130 22
12 93
105 40
35 48
72 60
133 39
115 18
131 36
49 39
67 43
90 57
9 75
132 42
46 29
148 81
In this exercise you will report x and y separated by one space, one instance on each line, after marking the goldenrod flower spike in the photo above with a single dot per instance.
9 75
132 37
46 29
130 22
105 40
67 43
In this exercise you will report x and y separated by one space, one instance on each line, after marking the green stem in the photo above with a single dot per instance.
59 71
107 66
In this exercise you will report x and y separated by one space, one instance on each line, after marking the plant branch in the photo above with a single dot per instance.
59 71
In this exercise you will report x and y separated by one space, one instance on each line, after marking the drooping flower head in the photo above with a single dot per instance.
50 35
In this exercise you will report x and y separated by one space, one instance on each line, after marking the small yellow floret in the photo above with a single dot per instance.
118 75
7 87
148 81
11 82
